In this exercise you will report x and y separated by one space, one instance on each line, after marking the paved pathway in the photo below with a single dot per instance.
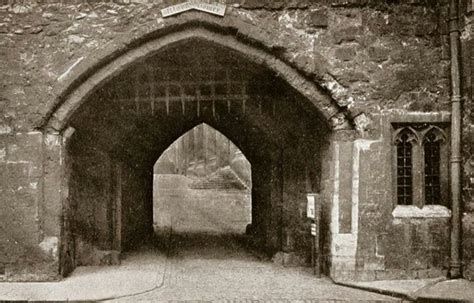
140 271
449 291
219 268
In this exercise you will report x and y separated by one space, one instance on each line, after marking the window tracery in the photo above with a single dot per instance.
420 153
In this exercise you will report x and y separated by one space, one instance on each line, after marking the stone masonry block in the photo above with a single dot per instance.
345 186
375 263
469 270
378 54
364 275
380 248
345 53
349 34
3 152
439 232
347 77
431 273
27 147
343 275
20 152
17 175
52 184
393 274
318 18
438 258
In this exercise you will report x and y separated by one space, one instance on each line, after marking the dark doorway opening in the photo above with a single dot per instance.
139 113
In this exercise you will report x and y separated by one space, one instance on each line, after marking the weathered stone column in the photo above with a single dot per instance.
343 206
52 207
22 221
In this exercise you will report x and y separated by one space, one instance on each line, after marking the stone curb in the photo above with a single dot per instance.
411 296
437 299
390 293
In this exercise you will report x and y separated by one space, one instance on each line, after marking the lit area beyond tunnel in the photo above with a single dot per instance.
202 184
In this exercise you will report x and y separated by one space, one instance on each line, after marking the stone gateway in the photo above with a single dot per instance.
366 104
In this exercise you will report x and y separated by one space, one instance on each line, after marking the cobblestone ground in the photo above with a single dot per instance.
220 268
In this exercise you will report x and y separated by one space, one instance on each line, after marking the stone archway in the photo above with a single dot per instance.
87 74
312 113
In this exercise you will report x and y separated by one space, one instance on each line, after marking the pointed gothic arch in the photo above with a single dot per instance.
87 75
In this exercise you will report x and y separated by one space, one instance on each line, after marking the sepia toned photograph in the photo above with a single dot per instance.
236 151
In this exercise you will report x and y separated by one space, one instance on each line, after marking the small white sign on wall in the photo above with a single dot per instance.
211 8
311 206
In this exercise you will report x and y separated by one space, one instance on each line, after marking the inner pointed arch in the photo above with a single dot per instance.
202 184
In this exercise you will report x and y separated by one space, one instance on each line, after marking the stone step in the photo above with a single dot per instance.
223 179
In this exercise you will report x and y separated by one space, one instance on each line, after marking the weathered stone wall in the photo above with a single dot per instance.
91 186
374 59
370 59
137 211
301 174
467 47
28 228
93 196
396 240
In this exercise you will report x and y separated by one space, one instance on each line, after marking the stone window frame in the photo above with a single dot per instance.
413 140
421 125
440 138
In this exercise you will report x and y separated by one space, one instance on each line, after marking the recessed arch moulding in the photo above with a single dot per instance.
119 110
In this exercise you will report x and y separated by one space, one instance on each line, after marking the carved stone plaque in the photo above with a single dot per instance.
211 8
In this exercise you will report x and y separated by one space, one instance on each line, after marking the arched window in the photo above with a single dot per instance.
404 141
432 165
420 158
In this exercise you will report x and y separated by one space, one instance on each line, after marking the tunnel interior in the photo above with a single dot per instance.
127 123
